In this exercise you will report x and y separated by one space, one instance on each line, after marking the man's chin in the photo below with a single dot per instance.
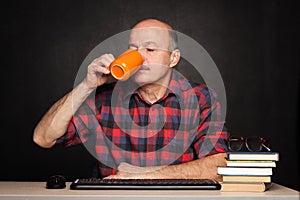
141 79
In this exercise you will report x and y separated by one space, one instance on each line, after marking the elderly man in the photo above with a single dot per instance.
189 144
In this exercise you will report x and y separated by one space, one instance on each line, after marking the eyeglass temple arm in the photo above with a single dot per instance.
266 147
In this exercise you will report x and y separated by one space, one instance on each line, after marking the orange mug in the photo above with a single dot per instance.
126 64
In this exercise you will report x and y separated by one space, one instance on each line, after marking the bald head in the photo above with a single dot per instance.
156 24
153 23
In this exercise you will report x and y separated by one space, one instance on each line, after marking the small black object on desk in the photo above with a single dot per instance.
56 182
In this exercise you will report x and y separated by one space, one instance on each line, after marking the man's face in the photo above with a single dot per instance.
153 44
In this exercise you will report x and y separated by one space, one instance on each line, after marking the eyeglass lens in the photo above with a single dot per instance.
235 143
253 143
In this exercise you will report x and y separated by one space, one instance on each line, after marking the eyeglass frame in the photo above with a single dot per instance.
244 142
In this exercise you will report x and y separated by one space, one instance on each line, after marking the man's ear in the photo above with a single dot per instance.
174 58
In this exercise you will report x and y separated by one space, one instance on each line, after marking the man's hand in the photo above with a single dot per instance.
128 171
97 72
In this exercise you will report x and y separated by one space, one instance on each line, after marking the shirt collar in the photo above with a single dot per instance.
177 85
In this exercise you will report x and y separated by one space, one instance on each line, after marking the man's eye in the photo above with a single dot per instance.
150 49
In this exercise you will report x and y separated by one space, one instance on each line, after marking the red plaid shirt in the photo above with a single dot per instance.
184 125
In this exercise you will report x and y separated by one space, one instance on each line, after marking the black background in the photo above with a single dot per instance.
254 43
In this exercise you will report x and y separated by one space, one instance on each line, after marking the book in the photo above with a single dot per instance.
245 187
241 155
240 179
250 163
262 171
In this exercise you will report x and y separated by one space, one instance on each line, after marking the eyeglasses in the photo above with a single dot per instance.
253 143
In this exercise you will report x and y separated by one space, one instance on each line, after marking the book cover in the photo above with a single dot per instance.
250 163
261 171
236 178
245 187
273 156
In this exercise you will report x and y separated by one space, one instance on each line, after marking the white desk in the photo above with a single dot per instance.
37 190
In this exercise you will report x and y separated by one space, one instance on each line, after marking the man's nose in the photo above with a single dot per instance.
143 54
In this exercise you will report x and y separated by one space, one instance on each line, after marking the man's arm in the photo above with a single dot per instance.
55 122
205 167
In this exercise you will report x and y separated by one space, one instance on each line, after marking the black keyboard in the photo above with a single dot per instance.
104 184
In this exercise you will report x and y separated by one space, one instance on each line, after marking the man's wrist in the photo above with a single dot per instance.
85 87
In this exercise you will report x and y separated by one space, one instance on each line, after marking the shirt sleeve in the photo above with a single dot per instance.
212 135
81 125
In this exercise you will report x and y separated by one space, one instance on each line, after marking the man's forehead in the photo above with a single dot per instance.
149 34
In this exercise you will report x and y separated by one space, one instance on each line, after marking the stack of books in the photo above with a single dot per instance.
248 171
